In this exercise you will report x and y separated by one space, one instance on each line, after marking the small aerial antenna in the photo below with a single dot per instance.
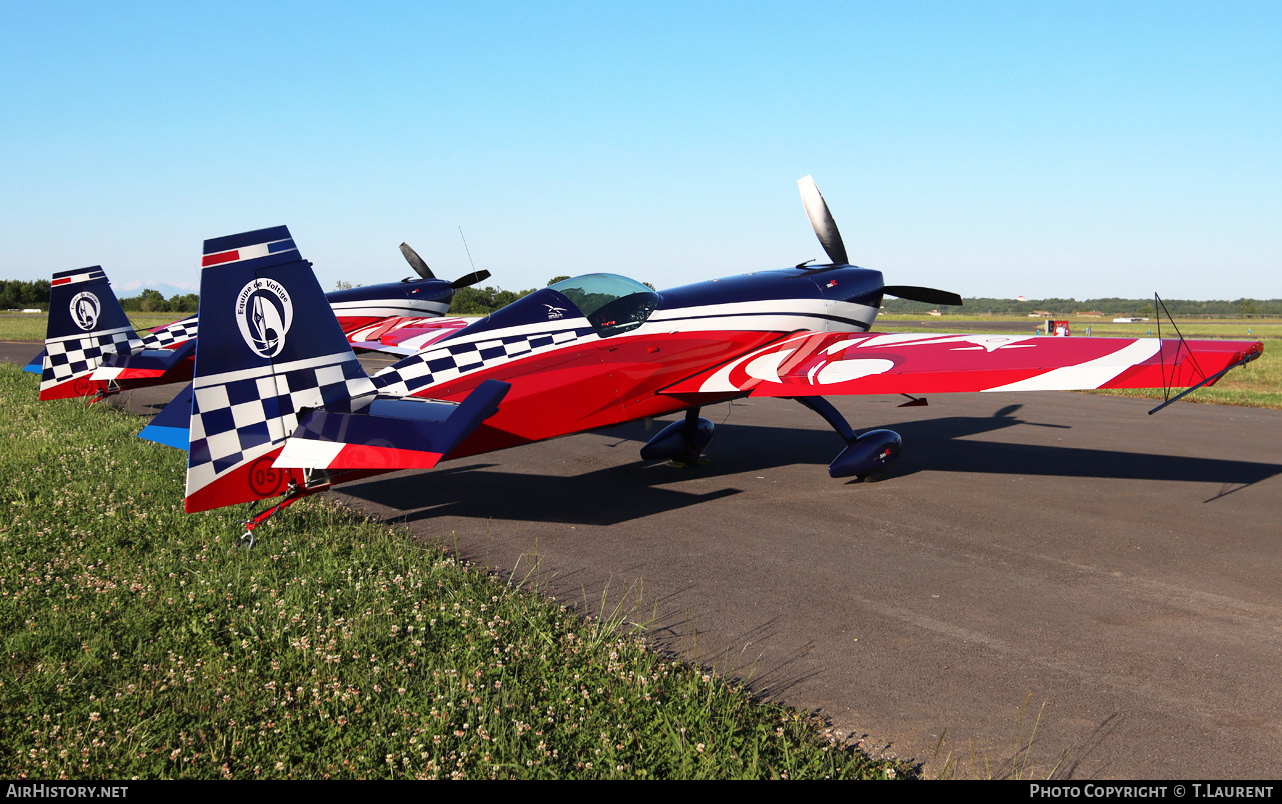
468 250
475 276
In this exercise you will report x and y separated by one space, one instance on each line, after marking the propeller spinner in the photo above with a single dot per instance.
830 238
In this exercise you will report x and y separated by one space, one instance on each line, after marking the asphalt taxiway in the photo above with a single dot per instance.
1054 568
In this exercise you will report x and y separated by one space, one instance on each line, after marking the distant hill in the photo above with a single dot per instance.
136 289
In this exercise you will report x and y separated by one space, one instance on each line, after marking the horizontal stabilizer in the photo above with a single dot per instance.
149 364
388 433
172 425
36 365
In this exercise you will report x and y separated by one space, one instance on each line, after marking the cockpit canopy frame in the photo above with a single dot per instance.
612 304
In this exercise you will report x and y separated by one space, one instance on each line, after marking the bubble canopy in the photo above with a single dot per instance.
611 303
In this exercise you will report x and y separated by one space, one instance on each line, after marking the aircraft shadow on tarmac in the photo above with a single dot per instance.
620 493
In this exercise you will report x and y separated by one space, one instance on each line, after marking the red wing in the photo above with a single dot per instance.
829 363
404 336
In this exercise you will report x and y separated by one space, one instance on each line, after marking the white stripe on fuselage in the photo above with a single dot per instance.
407 308
770 315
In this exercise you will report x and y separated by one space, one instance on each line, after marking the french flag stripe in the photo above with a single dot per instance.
248 252
363 456
71 277
308 453
219 259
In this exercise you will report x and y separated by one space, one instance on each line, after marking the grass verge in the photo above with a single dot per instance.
139 641
32 326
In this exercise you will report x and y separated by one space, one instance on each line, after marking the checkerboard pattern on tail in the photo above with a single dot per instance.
86 322
259 366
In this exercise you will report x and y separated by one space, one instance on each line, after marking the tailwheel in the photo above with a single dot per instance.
294 494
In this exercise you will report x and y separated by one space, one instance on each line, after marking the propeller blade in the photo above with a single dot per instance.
416 262
470 279
821 219
927 295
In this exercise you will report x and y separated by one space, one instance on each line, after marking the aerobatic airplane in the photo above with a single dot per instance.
91 349
282 409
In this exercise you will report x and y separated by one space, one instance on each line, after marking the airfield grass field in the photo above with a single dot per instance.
140 641
32 326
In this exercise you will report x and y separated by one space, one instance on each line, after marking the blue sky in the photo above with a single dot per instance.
994 149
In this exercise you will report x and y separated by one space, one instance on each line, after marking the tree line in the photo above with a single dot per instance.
153 301
17 294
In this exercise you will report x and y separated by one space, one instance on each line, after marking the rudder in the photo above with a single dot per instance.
269 348
86 322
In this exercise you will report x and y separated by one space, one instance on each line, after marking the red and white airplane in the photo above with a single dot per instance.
91 349
282 409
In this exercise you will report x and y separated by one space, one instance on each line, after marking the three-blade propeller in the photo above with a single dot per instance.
830 238
420 267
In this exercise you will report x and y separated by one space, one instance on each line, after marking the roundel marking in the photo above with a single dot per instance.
264 313
266 480
85 309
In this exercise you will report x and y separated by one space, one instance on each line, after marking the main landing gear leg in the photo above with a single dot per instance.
681 442
867 456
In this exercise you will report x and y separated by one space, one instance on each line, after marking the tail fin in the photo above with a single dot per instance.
86 322
269 348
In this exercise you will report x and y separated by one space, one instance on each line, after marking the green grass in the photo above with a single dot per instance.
32 326
139 641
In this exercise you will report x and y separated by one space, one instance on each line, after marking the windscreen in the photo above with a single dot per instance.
611 303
